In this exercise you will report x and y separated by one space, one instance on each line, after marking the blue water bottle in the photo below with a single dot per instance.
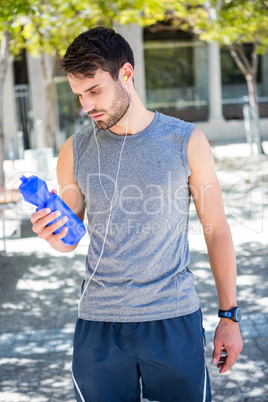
35 191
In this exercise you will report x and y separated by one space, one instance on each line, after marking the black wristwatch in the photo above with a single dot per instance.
235 314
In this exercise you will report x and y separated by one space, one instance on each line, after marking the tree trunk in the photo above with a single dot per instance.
4 53
250 73
252 90
48 68
254 108
49 103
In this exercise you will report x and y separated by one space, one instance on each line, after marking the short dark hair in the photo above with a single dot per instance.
98 47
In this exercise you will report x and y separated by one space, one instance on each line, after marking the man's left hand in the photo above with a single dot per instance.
227 341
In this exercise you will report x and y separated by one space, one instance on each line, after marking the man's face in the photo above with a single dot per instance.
102 98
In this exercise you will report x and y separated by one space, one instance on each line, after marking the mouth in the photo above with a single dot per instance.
97 116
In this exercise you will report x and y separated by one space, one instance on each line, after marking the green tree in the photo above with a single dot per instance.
232 24
46 28
10 41
50 27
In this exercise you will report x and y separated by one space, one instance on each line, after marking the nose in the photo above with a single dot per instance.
87 104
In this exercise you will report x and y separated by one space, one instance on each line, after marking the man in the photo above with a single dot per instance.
133 171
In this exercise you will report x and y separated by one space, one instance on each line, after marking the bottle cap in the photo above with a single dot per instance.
34 190
23 178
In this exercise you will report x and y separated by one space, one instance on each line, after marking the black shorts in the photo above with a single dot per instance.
168 355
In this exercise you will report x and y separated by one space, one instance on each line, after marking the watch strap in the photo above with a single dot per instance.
225 314
234 314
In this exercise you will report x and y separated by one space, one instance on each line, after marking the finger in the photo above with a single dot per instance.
227 363
54 191
40 223
221 362
50 218
39 214
216 353
49 230
56 237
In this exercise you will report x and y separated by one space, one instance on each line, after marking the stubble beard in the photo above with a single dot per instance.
120 107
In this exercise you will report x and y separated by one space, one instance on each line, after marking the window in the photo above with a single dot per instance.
176 75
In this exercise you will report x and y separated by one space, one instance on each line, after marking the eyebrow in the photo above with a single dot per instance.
87 90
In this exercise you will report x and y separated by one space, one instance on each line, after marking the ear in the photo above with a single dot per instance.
126 73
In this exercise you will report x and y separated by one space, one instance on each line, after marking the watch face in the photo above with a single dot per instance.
238 314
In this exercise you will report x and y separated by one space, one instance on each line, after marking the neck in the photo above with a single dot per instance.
137 119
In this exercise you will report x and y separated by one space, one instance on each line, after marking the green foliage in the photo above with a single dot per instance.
9 12
10 8
49 26
236 22
227 22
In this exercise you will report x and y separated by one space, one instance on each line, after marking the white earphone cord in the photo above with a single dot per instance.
110 200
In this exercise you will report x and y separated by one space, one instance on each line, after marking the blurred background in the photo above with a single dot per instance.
201 61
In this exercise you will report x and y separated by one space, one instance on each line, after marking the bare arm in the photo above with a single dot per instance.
70 194
208 201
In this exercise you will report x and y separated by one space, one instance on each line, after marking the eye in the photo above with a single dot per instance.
96 91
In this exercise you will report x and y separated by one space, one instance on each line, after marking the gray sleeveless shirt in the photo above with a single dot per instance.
143 274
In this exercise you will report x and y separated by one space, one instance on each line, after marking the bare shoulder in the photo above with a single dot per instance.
66 149
65 161
199 151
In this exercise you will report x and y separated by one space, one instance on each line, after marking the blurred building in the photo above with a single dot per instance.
175 73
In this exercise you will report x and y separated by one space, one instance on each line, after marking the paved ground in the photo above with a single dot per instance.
39 292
